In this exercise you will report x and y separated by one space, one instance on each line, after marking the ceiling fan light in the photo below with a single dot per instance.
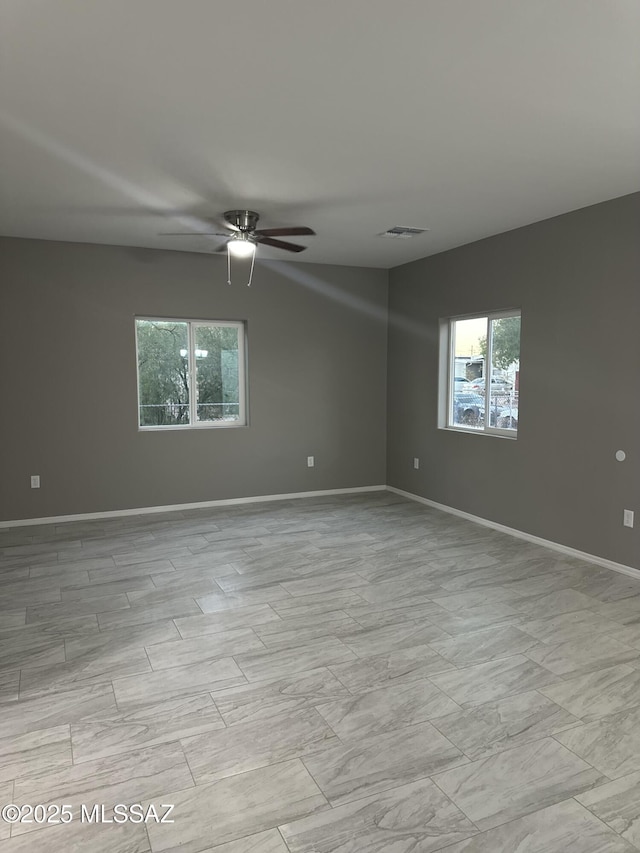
241 247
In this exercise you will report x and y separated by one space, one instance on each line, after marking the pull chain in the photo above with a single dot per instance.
253 260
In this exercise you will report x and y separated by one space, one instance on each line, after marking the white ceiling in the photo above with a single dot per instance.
124 118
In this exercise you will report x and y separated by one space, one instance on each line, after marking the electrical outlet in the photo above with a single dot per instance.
35 481
416 462
627 518
310 461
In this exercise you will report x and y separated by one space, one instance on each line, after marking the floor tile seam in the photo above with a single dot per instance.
266 682
557 674
366 579
214 657
582 672
467 707
513 747
599 819
280 833
611 637
132 603
277 763
484 629
219 710
451 667
586 669
360 656
293 644
379 687
511 620
576 609
148 661
587 634
528 814
464 665
312 642
43 603
301 759
586 761
433 779
337 677
150 576
175 625
366 627
13 790
186 759
65 688
525 742
37 829
19 684
98 717
285 619
635 704
73 601
234 658
74 763
38 648
385 791
257 636
330 727
627 708
608 717
117 756
354 742
310 748
199 606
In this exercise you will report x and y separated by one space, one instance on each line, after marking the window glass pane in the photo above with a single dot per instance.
217 372
163 372
469 346
505 372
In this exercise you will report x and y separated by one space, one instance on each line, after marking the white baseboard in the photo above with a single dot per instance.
511 531
520 534
148 510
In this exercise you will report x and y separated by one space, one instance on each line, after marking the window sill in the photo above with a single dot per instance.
508 435
183 427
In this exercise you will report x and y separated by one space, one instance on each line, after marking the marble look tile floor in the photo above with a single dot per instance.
352 674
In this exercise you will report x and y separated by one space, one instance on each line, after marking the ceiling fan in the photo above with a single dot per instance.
244 236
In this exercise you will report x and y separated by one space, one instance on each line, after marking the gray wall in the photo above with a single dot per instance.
317 369
317 340
577 280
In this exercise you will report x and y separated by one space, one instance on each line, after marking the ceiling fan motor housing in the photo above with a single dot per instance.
243 220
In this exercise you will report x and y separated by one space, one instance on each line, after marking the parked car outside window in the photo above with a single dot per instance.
468 409
498 385
508 418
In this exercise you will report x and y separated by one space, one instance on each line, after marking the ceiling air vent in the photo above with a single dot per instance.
401 232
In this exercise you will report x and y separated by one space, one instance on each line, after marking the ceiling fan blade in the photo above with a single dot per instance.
297 230
279 244
192 234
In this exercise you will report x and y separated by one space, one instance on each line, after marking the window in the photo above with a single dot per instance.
190 373
480 373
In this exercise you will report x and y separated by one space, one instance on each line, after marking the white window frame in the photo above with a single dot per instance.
240 325
447 374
